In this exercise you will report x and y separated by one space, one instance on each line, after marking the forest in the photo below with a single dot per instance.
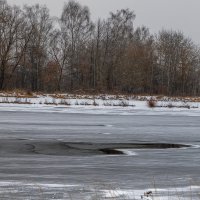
72 53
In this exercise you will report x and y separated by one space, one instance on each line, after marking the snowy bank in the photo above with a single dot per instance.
99 104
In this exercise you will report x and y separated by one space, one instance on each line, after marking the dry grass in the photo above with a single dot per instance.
123 103
107 103
18 93
96 95
171 105
15 101
58 96
85 103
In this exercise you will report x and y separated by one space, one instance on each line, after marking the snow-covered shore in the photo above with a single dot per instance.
99 104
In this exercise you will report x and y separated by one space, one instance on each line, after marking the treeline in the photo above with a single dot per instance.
43 53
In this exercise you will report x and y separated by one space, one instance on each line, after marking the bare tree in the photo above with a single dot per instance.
40 22
137 73
119 33
176 58
76 26
59 50
14 39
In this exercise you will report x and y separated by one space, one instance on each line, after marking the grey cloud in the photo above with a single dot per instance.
180 15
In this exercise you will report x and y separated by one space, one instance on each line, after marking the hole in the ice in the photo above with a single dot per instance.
111 151
60 148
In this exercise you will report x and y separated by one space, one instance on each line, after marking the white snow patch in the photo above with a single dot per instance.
109 125
129 194
47 185
195 146
128 152
106 133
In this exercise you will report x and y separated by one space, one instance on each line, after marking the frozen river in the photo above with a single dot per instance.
87 156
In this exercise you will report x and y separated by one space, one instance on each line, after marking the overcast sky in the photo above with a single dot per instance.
180 15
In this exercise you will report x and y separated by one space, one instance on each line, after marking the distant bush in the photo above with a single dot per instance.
151 103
